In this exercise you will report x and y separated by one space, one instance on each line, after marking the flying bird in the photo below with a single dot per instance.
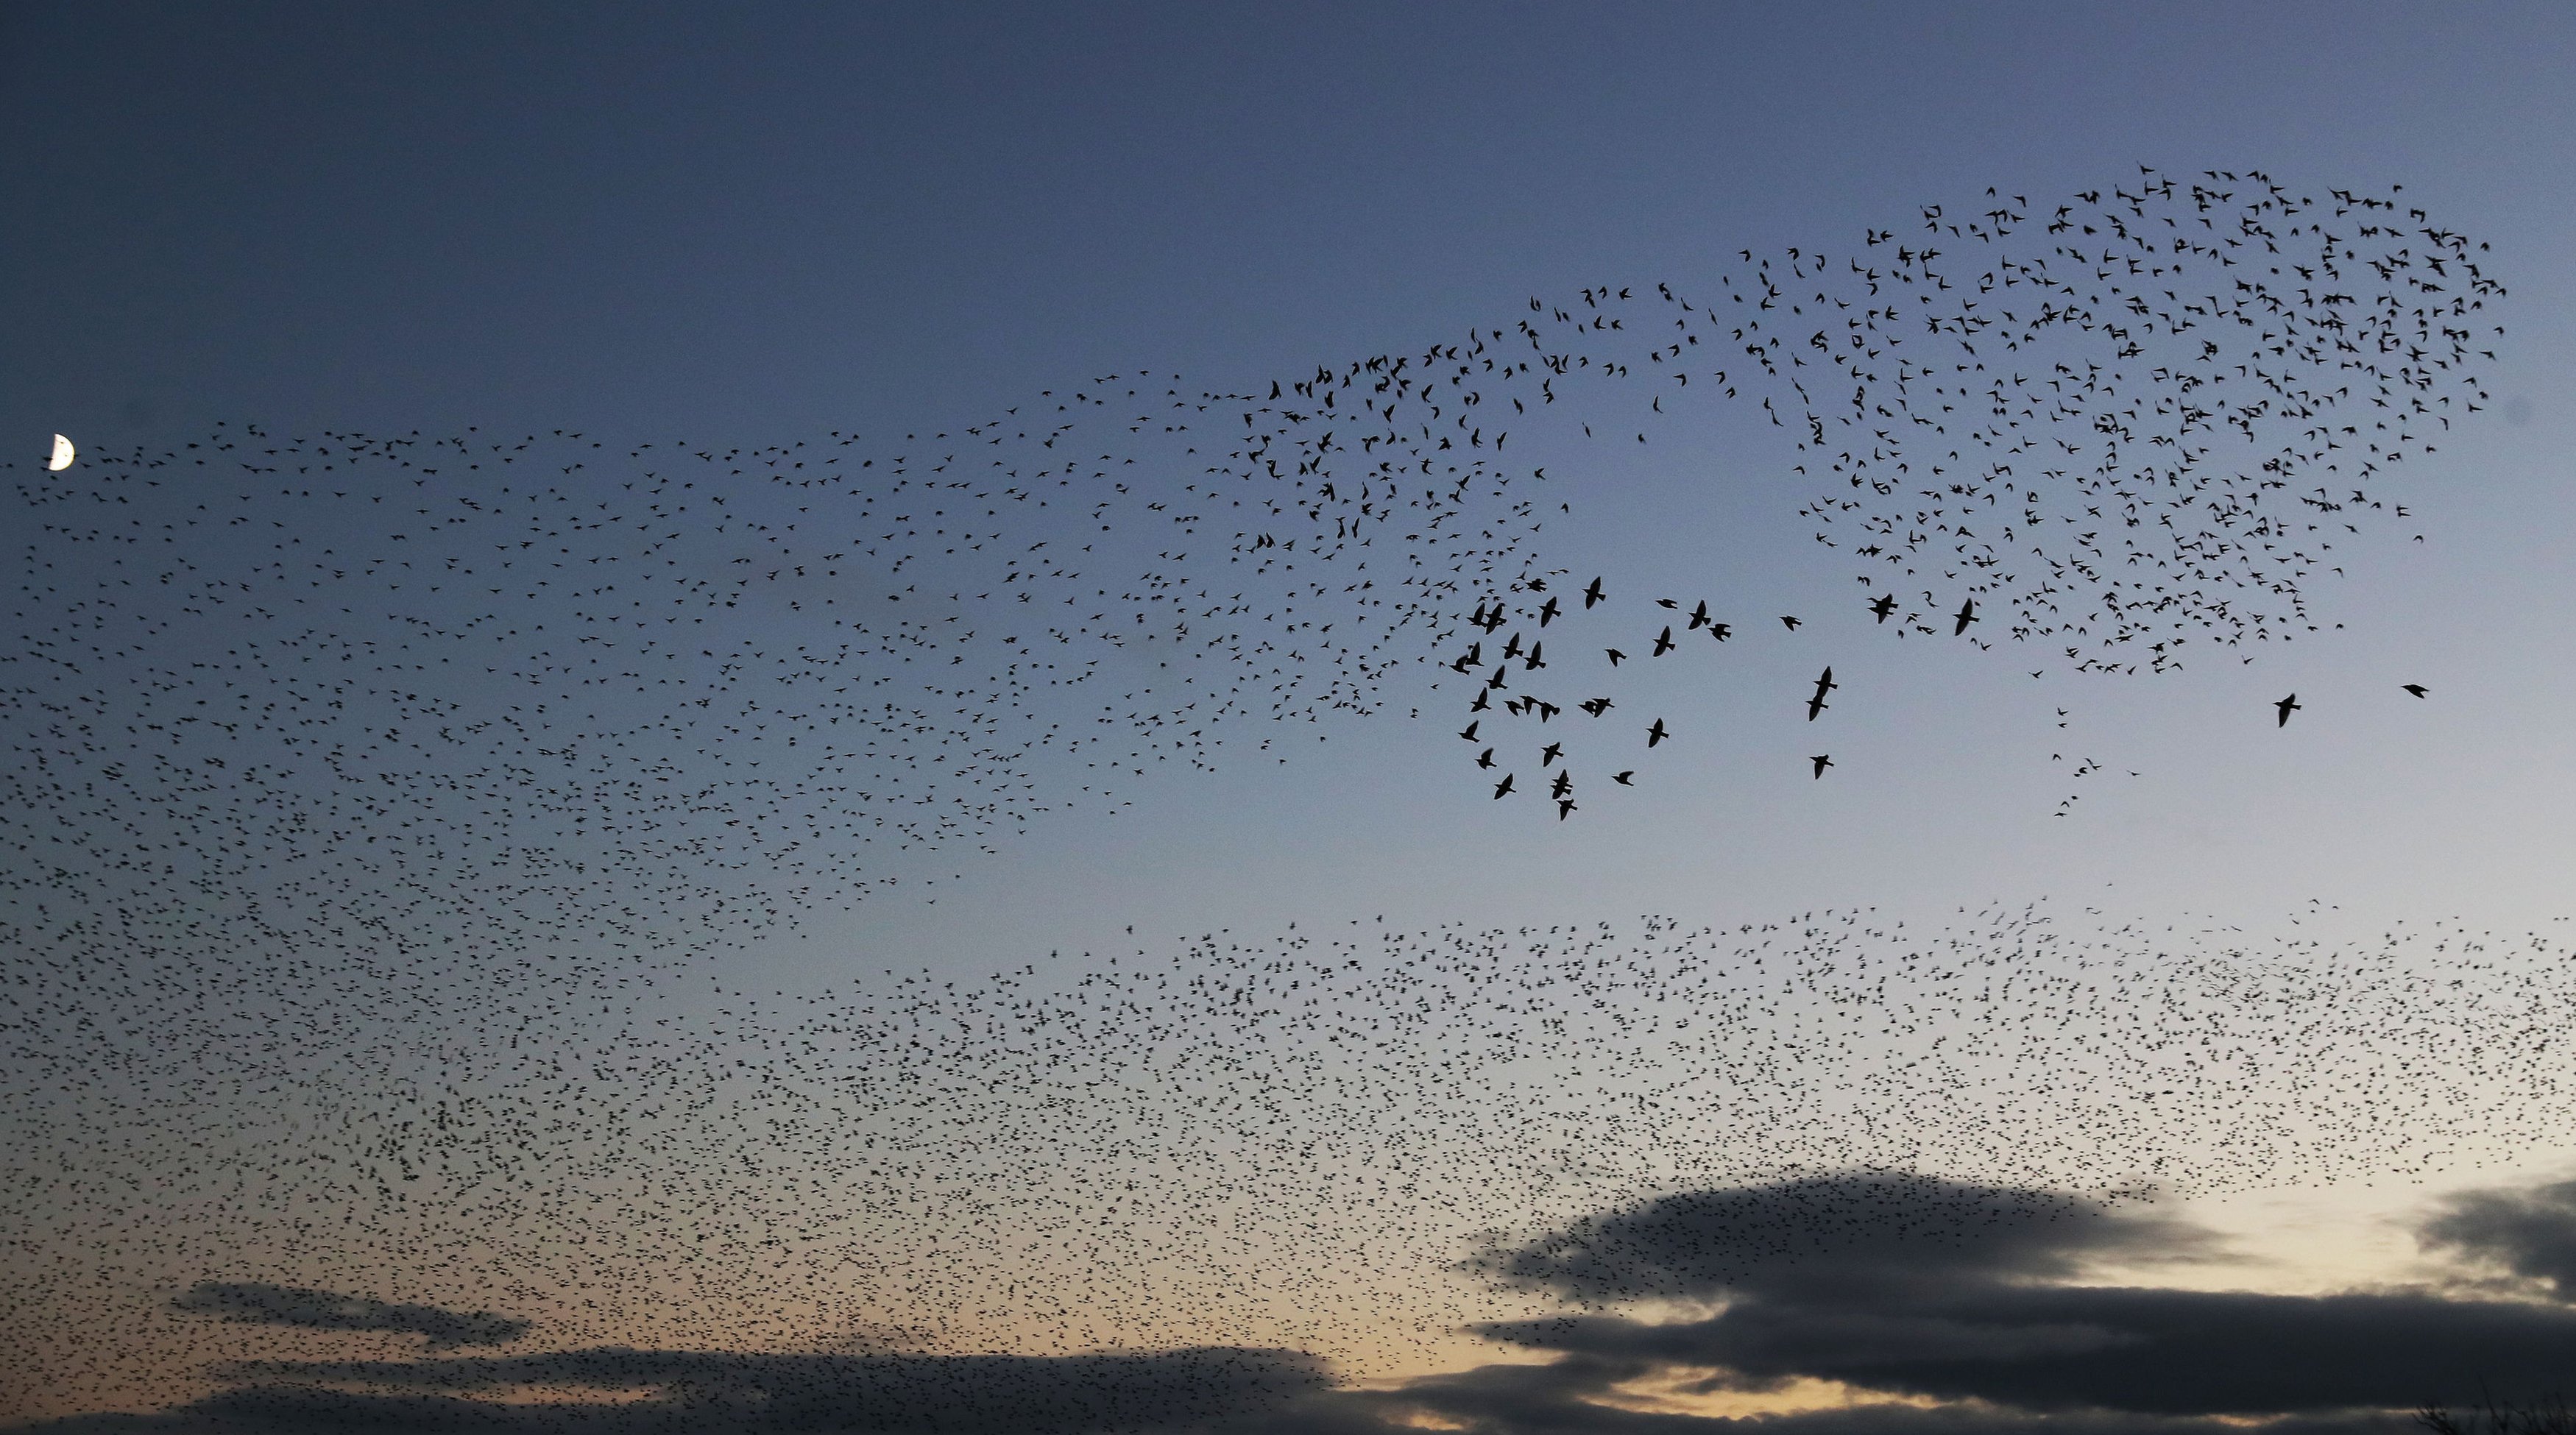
2416 688
678 827
1816 703
2286 706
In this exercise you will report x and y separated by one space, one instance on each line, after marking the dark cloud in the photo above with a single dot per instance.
1967 1297
1221 1391
1225 1392
2163 1352
1960 1293
751 1394
258 1302
1867 1231
1576 1394
2531 1233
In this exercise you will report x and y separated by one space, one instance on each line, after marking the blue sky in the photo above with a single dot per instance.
797 221
741 228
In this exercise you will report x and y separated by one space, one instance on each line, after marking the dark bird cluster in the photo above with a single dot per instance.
1248 1141
358 689
373 803
2133 423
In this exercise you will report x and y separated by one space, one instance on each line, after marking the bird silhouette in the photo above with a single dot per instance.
398 823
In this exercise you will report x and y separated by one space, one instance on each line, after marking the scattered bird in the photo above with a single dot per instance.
1822 762
2285 707
1816 703
2416 688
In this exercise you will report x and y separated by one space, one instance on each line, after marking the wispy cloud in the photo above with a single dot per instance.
257 1302
2531 1233
750 1394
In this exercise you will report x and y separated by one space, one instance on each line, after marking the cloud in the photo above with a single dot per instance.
1580 1394
1924 1288
1211 1392
258 1302
2158 1352
1872 1231
1946 1308
2531 1233
618 1391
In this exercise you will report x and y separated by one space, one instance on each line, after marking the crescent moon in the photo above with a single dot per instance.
63 454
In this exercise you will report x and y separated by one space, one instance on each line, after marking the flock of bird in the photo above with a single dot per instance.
370 686
1280 1141
373 803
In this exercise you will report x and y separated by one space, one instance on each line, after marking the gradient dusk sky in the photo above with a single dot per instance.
2073 1036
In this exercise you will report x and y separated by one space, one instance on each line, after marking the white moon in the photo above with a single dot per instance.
63 454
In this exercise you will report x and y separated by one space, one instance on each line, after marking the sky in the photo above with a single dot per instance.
727 234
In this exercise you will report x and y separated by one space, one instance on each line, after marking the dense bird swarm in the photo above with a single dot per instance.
369 799
1286 1141
353 690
